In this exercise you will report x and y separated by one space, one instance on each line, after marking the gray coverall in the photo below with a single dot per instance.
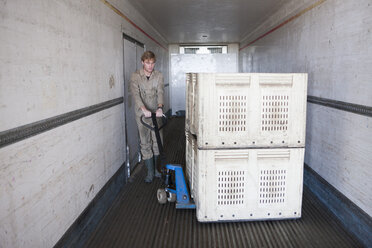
148 93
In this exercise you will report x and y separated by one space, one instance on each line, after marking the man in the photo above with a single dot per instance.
147 87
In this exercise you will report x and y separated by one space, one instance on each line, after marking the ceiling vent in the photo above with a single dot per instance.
202 49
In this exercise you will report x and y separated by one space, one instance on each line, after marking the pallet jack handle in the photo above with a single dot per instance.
156 129
154 122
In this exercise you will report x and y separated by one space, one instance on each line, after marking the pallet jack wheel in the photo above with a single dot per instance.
172 197
162 196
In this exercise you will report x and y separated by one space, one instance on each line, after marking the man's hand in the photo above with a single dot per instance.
159 112
146 113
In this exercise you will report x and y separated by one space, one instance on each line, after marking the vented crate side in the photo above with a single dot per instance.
248 110
248 184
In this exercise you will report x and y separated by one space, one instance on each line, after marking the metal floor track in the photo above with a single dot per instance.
136 219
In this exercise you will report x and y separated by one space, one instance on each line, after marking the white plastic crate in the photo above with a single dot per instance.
191 152
190 143
190 102
248 184
249 110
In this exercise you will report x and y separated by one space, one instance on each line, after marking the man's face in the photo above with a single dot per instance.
148 65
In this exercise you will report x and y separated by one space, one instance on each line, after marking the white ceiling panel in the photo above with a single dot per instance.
206 21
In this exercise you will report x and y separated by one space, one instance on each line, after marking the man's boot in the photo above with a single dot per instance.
150 170
157 173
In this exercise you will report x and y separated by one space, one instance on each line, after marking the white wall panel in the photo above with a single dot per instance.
53 62
339 148
46 181
332 43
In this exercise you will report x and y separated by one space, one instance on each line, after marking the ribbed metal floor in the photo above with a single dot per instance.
136 219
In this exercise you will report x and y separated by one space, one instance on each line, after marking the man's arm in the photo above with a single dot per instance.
160 95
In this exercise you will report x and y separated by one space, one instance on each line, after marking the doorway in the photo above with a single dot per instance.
132 62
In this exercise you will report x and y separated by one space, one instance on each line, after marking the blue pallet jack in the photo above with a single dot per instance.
176 189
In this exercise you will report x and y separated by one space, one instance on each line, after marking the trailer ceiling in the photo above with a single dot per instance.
206 21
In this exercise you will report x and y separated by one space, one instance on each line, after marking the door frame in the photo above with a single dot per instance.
129 164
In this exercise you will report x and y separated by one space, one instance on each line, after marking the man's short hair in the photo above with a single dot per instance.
148 55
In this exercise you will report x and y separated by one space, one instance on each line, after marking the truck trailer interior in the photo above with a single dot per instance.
71 172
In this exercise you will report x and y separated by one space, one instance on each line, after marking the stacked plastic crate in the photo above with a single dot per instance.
245 144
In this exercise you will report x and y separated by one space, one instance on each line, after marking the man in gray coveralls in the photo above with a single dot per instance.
147 87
